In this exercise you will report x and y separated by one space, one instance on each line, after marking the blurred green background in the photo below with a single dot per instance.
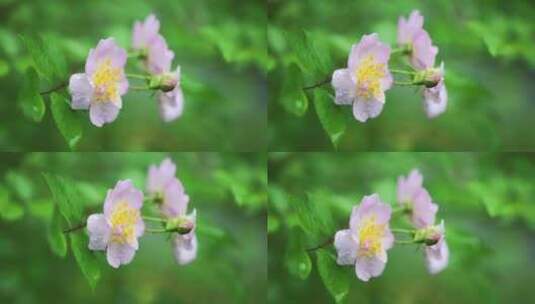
486 201
220 45
487 47
227 190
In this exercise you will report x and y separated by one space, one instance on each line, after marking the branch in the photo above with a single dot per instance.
327 80
327 242
58 87
77 227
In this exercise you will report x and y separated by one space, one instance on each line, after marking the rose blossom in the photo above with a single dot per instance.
117 229
100 88
366 78
173 200
152 45
416 199
368 238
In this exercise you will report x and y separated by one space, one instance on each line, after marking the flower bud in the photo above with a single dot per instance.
181 225
165 82
429 235
428 77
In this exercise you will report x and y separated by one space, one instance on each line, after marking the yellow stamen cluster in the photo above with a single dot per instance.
123 223
369 75
106 81
370 237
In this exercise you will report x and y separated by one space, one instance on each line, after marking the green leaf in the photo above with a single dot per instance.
313 216
312 59
20 184
86 259
331 116
4 68
293 98
68 121
46 59
297 259
66 197
55 236
41 209
30 101
335 278
9 211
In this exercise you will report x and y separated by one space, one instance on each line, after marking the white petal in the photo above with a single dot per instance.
343 86
346 247
99 231
81 90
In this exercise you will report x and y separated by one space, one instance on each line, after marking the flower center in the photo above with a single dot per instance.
123 222
370 236
369 75
106 81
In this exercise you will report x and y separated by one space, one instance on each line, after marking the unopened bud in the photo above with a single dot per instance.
428 77
181 225
165 82
430 235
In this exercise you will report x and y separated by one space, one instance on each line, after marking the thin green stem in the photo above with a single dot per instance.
325 81
154 219
402 72
75 228
151 230
324 244
403 242
139 88
138 76
134 54
53 89
409 231
397 50
404 83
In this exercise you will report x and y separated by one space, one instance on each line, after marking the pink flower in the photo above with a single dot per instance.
412 34
437 255
408 28
415 198
145 38
368 238
100 88
160 176
169 191
117 229
366 78
423 54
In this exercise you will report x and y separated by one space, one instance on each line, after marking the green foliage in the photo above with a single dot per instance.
230 261
487 50
223 59
484 199
311 59
335 278
248 187
297 259
9 210
294 99
20 184
55 236
30 101
46 59
86 259
66 197
331 116
68 121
